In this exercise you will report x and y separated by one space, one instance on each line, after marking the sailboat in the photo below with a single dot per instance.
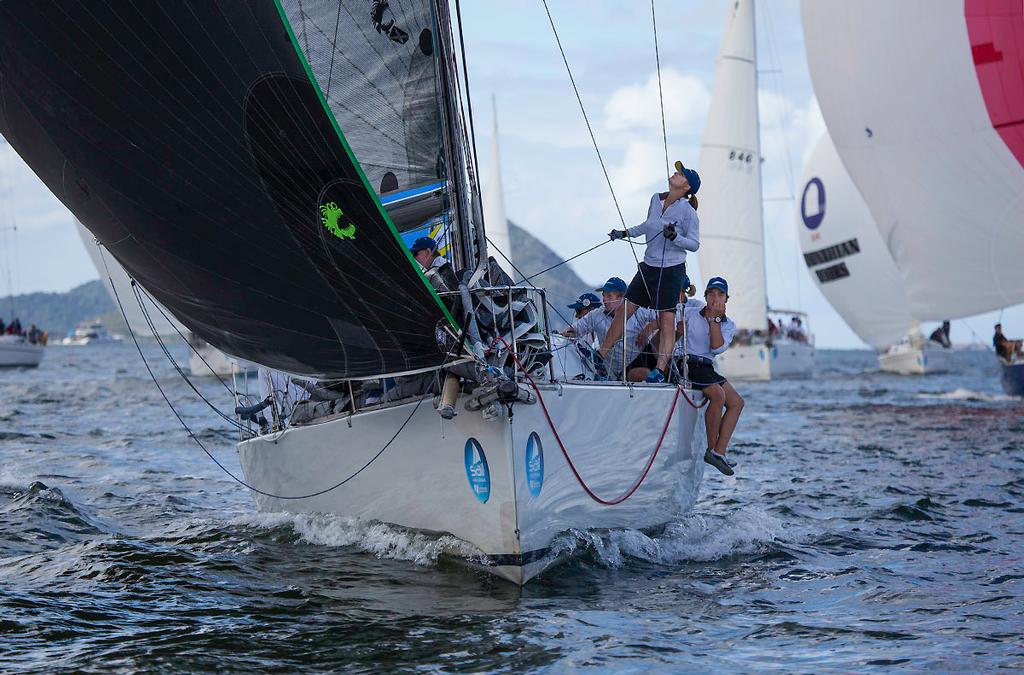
21 350
494 200
853 269
731 212
935 146
261 178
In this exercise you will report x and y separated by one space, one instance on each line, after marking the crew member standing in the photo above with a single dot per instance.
671 229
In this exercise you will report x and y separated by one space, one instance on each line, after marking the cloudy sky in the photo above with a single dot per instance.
552 180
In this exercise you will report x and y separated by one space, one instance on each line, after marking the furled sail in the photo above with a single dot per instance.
731 221
192 139
846 256
494 204
924 100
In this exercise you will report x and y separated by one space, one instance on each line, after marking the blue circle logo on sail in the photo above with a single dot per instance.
477 472
534 464
813 220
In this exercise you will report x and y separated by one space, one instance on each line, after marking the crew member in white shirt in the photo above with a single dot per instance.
708 333
671 229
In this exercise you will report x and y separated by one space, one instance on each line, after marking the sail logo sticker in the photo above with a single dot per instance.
477 473
330 216
813 220
534 464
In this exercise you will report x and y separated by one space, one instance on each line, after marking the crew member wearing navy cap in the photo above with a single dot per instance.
708 333
586 303
671 229
424 251
595 324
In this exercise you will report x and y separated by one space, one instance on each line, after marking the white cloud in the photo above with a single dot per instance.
637 107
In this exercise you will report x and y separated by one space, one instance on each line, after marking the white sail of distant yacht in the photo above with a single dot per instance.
731 217
494 203
852 267
936 145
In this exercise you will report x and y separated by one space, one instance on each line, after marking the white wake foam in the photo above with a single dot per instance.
962 394
382 540
695 538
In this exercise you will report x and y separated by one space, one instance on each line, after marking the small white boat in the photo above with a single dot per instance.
762 361
912 356
90 333
16 351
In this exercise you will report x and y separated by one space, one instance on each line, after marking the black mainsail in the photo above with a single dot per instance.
194 140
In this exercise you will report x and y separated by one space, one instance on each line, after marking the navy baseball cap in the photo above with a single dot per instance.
614 285
586 300
423 244
691 177
719 283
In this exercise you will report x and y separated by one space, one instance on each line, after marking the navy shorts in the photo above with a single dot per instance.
701 373
656 287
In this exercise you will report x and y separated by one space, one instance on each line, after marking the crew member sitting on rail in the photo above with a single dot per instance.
596 323
708 333
941 335
671 229
1006 349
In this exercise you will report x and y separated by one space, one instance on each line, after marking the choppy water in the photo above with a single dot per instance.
876 521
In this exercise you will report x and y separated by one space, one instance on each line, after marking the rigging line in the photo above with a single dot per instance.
465 78
661 99
583 109
527 280
334 52
559 264
163 347
220 465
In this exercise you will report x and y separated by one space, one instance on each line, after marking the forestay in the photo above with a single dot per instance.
731 221
190 140
925 103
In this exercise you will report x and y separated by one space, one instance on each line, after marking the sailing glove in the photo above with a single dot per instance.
670 232
616 234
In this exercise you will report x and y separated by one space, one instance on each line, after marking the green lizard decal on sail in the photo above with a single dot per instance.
330 216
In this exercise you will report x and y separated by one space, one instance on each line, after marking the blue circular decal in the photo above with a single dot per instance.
477 472
813 220
534 464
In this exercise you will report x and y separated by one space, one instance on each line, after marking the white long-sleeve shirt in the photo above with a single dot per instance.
597 323
698 333
662 252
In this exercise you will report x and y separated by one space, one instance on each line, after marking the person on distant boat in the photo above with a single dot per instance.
3 327
1007 349
671 229
708 333
941 335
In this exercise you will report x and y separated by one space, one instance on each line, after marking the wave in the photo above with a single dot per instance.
962 394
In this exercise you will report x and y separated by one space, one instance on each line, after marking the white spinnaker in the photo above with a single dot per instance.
494 206
845 254
898 87
123 283
731 220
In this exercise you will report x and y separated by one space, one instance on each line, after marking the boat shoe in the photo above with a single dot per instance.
719 462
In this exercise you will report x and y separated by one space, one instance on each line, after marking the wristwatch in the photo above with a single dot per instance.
716 319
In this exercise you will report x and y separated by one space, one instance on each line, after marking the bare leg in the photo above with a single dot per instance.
637 374
733 408
713 415
666 338
615 330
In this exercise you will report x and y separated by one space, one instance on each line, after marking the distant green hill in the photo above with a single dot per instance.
59 312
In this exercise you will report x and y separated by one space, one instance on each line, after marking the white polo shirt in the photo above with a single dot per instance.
698 333
597 323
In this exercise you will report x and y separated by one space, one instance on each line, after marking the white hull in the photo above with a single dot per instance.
761 362
17 352
76 341
422 480
904 360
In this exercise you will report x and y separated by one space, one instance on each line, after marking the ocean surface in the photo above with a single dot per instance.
876 522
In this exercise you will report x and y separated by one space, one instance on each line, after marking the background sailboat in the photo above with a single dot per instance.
936 146
731 209
853 269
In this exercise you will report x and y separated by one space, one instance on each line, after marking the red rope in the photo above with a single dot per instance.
586 488
692 404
